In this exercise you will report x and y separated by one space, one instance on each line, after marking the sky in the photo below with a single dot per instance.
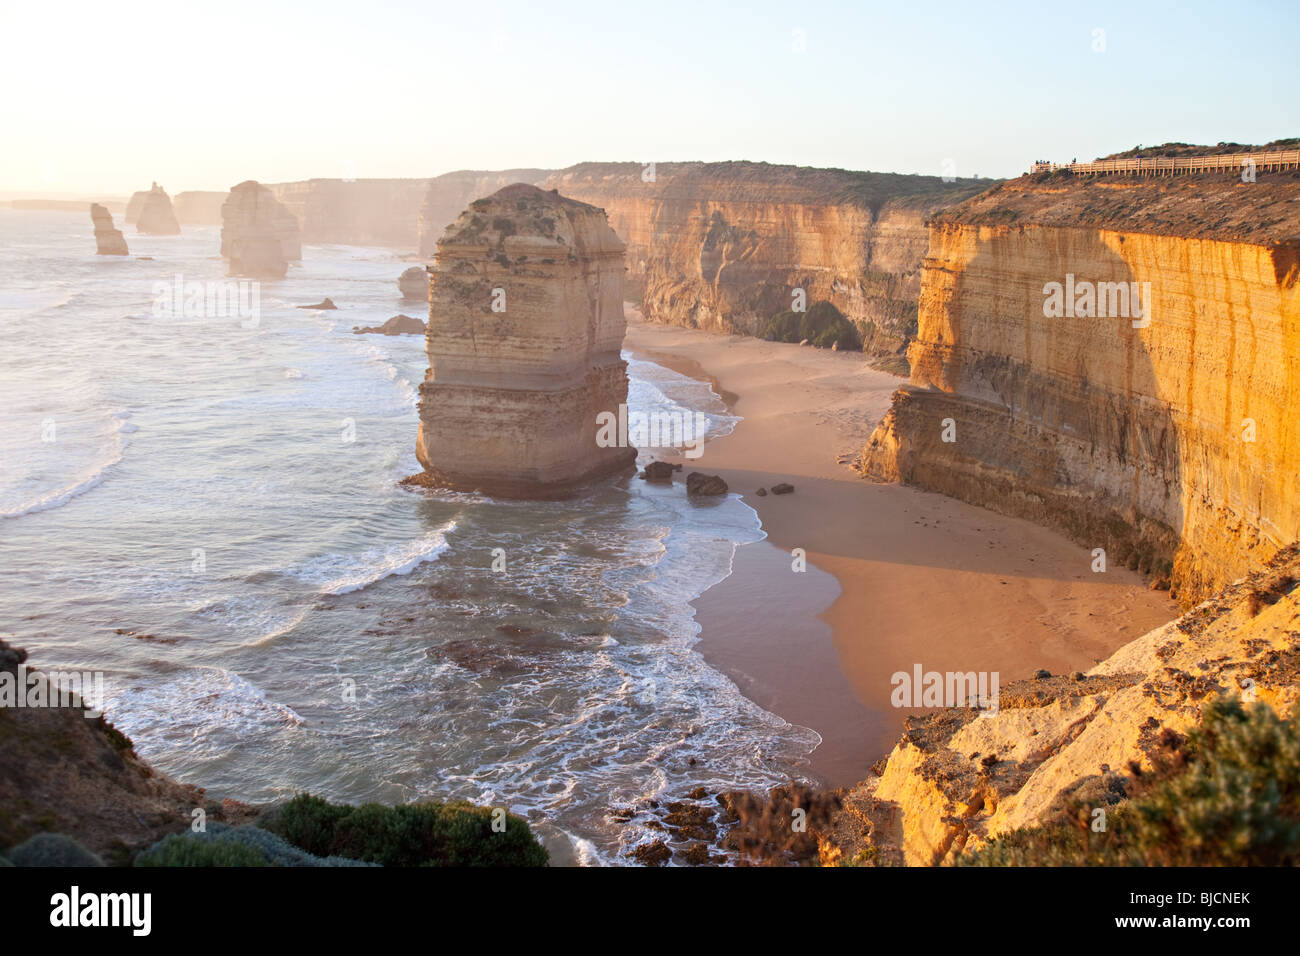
101 98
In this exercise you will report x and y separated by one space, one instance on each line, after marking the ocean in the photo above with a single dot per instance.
207 511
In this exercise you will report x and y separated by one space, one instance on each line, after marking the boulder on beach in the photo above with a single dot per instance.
762 492
782 489
698 483
325 303
157 218
660 471
414 283
108 241
397 325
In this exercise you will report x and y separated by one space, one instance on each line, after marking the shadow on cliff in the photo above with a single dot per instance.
1056 419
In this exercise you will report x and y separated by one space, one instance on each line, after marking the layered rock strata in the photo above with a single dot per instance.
524 336
723 246
157 218
1164 434
258 235
108 241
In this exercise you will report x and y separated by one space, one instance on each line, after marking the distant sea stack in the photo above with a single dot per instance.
156 215
108 240
414 283
258 235
525 329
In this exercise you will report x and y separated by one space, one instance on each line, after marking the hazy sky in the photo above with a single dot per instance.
104 97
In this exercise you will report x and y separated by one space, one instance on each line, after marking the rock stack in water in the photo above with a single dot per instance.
525 329
157 217
258 235
108 241
414 283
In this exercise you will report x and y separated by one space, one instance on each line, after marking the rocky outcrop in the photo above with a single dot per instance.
156 217
68 773
1164 435
397 325
198 208
446 195
258 235
723 246
702 485
525 331
414 283
108 241
960 776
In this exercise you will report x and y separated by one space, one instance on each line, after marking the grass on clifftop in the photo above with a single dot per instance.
1226 795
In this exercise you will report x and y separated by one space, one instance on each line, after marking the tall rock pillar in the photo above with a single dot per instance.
525 332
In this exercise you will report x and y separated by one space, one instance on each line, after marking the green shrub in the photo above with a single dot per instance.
224 845
52 849
1228 795
823 325
418 834
184 849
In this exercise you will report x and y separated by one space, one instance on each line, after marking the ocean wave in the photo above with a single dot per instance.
60 496
344 573
199 703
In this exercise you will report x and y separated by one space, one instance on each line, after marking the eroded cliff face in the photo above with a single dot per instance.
722 246
524 337
364 212
1164 435
957 778
447 195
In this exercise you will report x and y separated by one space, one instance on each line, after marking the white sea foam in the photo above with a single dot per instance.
344 573
111 450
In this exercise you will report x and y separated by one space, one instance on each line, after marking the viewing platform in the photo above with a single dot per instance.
1176 165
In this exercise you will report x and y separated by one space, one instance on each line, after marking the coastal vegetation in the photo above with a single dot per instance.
1227 794
823 325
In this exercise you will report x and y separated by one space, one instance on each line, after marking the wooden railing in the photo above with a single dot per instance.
1173 165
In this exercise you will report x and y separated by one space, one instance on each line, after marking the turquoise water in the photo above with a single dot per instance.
207 510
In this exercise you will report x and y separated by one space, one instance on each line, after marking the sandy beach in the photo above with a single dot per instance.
917 578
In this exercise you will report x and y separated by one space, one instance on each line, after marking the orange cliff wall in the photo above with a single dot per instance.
721 246
1136 440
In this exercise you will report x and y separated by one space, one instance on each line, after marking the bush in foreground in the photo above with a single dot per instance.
1228 795
224 845
52 849
417 834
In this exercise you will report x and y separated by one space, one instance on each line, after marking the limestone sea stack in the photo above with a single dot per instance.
258 235
414 283
157 218
108 241
525 329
